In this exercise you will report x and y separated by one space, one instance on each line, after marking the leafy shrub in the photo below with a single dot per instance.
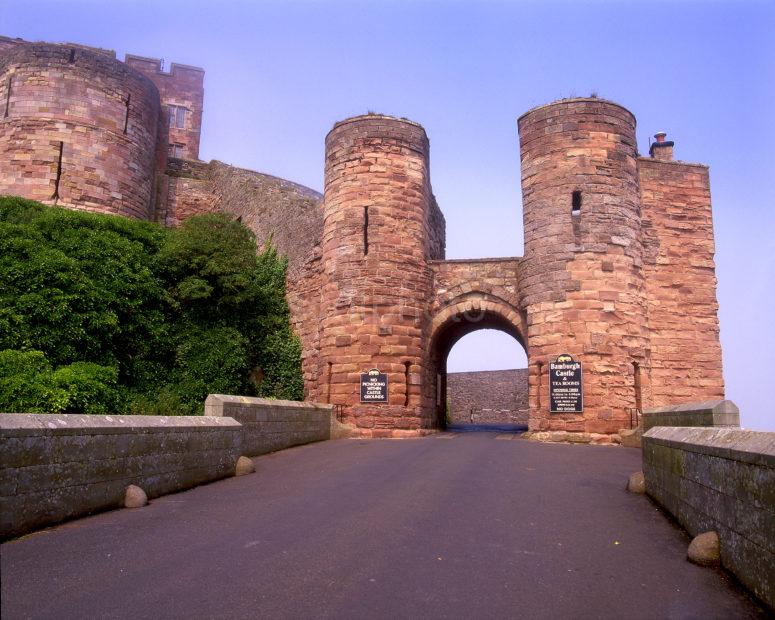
164 402
28 384
91 388
137 317
214 360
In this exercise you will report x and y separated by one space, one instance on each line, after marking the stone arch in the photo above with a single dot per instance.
475 307
463 315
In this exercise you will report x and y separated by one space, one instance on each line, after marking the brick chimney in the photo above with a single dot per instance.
661 149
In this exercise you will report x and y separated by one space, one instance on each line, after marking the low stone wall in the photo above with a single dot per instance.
720 479
271 425
719 413
57 467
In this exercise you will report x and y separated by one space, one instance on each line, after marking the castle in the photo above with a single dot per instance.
614 299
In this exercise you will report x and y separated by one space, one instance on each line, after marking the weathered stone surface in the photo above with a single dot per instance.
572 437
630 437
488 397
135 497
58 467
720 480
76 97
720 413
270 425
244 466
636 483
704 549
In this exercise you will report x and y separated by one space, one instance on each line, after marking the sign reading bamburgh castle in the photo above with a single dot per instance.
617 273
566 394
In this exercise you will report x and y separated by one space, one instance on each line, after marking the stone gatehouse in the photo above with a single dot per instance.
617 273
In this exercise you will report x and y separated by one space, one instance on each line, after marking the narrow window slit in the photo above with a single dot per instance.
328 382
7 98
576 203
365 231
55 196
72 56
126 116
406 383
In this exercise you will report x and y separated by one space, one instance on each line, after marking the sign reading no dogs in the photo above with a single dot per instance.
374 387
565 385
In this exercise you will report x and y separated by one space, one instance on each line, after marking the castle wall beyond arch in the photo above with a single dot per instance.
77 128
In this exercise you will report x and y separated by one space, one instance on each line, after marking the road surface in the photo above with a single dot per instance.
457 525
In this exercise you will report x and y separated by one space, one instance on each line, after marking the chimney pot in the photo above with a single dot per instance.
661 149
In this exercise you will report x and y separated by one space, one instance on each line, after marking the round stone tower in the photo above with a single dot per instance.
78 129
376 281
581 280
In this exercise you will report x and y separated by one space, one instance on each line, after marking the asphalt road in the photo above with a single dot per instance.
468 525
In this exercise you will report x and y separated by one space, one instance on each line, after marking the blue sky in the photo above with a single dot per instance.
279 74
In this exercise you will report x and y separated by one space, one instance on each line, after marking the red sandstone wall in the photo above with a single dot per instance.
373 303
182 86
581 280
680 282
488 396
68 94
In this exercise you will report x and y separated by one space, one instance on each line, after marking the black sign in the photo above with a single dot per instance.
565 386
374 387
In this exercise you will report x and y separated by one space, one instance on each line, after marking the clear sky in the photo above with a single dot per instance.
280 73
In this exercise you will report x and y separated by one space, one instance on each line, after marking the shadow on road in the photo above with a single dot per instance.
486 428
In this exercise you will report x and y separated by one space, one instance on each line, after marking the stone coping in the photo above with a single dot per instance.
755 447
705 406
672 162
213 400
29 424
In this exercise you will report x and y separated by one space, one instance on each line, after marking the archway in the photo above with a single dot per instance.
454 323
487 383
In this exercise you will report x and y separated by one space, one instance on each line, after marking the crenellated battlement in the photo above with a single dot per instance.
144 63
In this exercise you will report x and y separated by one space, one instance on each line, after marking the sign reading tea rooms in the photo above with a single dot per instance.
374 387
565 385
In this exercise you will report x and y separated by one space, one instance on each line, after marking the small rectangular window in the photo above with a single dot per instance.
177 116
176 150
575 208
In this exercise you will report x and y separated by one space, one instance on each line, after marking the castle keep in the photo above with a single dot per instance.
617 274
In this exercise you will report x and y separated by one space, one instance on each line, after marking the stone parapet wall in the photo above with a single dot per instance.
270 425
57 467
722 480
720 413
